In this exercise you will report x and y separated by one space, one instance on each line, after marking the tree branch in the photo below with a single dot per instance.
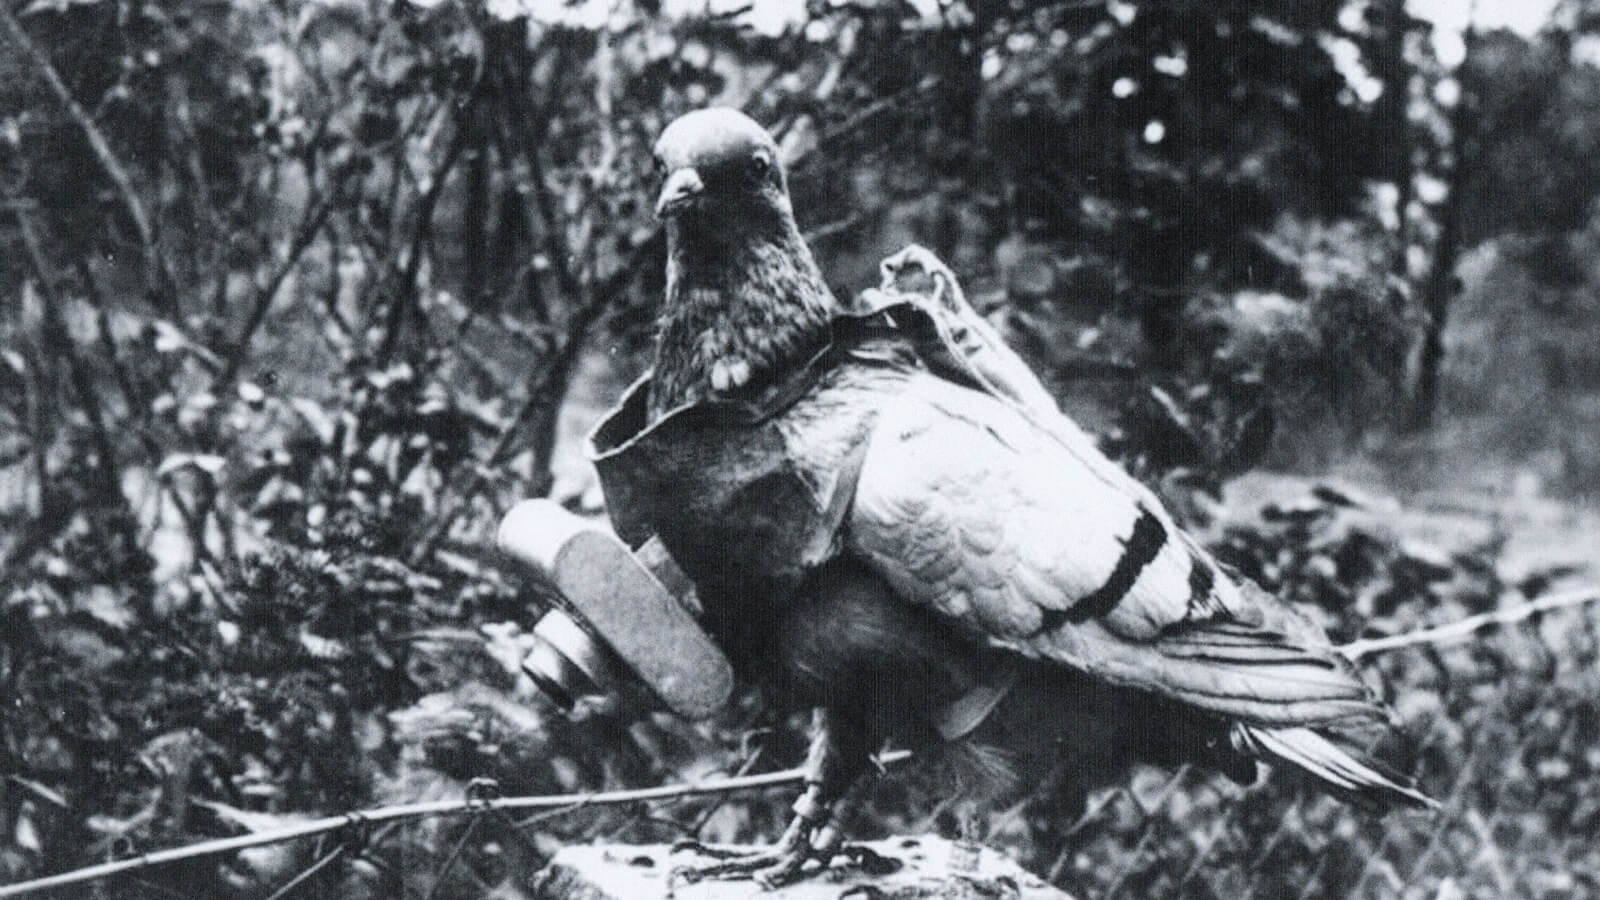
138 406
405 284
102 151
56 334
601 298
309 227
1455 631
464 806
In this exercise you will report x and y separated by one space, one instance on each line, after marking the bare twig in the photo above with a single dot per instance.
309 873
861 117
1460 630
405 284
527 141
102 151
138 407
309 227
552 373
55 333
1147 837
378 246
1091 812
463 806
832 229
183 116
450 859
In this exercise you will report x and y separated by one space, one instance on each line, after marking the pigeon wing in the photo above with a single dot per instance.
1041 545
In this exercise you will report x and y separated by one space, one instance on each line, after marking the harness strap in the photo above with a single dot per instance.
964 714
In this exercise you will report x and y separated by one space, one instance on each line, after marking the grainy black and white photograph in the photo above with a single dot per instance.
800 450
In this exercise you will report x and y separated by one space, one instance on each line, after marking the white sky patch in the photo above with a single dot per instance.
1124 87
1346 55
1449 46
1431 190
1452 17
1384 200
768 17
1353 17
993 65
1154 131
694 53
589 14
1525 17
927 10
1175 65
1346 58
1417 259
1586 50
1447 92
1021 42
1276 31
774 17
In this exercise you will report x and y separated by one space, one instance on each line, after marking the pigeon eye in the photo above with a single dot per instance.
759 164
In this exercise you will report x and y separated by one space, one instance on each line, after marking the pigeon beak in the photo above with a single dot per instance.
681 189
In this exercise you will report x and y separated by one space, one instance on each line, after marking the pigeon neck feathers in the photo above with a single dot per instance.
742 303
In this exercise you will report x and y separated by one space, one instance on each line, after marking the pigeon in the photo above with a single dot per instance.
992 589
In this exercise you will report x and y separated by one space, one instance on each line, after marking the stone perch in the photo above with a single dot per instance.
898 868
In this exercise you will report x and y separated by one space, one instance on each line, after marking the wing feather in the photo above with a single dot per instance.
1021 537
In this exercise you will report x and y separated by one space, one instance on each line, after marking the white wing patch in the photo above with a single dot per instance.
969 508
1040 545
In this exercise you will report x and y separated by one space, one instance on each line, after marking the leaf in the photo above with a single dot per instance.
168 338
459 563
251 393
42 791
113 827
27 836
323 648
1253 440
1337 496
209 463
106 605
395 374
316 417
58 7
246 819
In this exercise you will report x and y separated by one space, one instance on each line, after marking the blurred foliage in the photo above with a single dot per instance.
1492 724
298 296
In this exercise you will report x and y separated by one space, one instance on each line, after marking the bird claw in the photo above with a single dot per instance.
768 868
693 846
871 861
784 864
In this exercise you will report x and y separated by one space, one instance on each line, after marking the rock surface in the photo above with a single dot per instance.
924 870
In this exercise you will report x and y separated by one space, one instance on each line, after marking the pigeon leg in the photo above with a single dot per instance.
837 759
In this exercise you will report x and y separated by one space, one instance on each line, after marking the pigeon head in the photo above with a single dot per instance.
744 296
721 168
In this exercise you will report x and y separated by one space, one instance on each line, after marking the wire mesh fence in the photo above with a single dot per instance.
1506 728
1505 725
